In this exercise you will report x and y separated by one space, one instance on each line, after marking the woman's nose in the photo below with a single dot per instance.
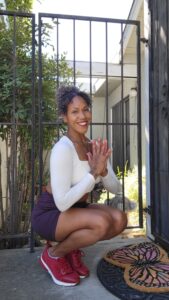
81 114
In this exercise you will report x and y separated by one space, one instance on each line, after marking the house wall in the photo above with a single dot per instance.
114 98
2 2
130 58
98 116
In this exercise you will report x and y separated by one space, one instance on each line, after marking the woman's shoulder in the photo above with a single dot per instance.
63 144
61 153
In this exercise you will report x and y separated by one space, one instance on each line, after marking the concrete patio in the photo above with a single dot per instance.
22 278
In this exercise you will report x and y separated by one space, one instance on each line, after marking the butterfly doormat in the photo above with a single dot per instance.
139 271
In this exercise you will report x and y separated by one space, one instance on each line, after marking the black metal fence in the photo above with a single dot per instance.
35 61
17 123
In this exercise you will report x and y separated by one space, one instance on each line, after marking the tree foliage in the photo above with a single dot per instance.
19 5
16 113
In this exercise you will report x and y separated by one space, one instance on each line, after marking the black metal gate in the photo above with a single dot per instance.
159 120
77 50
17 124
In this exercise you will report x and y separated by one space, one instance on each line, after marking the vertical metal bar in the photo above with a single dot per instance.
40 127
139 127
57 53
157 208
57 80
122 111
33 128
151 116
90 62
107 95
106 110
13 153
153 49
74 51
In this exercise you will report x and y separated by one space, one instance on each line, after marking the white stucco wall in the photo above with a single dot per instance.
99 111
114 98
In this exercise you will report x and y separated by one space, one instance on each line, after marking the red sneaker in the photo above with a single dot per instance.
76 263
59 269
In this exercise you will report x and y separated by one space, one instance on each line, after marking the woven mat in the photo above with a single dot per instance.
140 269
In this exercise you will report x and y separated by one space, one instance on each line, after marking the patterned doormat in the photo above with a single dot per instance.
139 271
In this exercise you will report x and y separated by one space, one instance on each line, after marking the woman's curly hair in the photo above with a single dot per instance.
65 94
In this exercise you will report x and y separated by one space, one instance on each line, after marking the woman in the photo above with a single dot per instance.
63 214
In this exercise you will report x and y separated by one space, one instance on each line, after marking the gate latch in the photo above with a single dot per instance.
148 210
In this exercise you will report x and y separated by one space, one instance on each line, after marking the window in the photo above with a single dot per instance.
121 134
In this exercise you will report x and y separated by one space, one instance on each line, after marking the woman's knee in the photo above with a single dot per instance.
119 223
121 220
103 225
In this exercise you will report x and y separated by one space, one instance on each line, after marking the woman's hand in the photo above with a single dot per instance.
98 158
84 198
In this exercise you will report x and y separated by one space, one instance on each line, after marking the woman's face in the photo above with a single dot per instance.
78 115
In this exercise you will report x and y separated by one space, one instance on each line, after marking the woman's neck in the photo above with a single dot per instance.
81 143
77 138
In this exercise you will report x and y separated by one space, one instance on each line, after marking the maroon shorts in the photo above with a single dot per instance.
45 216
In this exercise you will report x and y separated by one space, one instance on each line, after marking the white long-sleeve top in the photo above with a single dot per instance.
70 177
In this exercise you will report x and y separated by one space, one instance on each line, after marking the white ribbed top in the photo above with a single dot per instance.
70 177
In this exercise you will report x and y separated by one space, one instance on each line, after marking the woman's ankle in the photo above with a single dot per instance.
54 253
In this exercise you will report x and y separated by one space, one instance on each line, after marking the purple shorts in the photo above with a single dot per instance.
45 216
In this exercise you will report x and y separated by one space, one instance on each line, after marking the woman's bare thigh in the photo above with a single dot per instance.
75 219
118 217
113 212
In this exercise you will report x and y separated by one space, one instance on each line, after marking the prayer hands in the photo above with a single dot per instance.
98 157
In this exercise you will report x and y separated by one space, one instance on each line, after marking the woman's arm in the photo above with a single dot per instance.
61 170
110 181
101 153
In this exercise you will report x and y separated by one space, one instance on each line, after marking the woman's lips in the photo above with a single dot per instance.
83 123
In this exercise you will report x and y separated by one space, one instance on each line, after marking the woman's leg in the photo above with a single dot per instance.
78 228
118 219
